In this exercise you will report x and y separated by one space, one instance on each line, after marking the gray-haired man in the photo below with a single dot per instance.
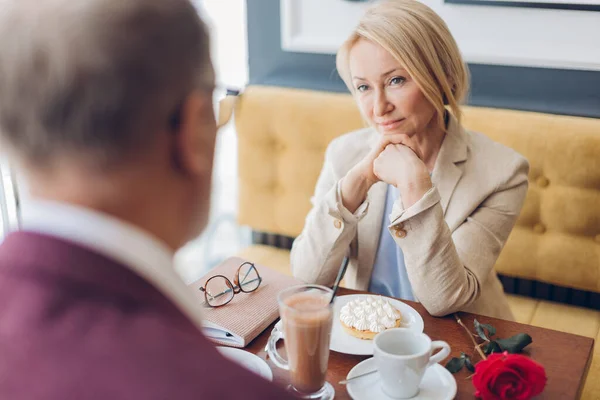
106 105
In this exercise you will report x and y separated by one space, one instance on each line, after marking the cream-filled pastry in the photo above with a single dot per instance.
366 317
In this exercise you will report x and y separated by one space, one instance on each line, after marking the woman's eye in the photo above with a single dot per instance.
397 80
362 88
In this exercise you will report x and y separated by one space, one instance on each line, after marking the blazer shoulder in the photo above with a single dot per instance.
485 153
346 150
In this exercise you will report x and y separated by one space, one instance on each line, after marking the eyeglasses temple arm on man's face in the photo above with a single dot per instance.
227 106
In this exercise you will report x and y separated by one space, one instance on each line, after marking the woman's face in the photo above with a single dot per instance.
386 94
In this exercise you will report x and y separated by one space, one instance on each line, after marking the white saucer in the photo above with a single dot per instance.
247 360
437 384
343 342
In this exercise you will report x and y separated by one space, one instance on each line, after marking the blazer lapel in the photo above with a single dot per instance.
448 166
369 232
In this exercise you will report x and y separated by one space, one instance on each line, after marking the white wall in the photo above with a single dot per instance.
487 35
226 20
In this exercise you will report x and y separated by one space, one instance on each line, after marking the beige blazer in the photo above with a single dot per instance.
451 238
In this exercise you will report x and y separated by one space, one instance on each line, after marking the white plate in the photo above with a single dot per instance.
343 342
247 360
437 384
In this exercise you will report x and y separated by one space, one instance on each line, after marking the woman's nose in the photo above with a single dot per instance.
382 106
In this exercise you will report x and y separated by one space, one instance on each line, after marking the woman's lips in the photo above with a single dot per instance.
389 125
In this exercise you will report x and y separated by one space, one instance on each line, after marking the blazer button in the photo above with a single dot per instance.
337 223
400 233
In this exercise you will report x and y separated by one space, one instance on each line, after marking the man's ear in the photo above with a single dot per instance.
195 135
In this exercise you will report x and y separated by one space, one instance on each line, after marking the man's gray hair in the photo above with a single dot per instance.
96 76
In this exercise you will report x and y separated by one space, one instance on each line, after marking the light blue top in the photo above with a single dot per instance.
389 276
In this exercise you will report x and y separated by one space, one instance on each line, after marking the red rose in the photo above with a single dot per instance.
508 376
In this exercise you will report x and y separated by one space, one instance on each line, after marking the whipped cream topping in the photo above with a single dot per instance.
372 313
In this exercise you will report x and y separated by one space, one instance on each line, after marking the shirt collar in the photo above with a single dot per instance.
131 246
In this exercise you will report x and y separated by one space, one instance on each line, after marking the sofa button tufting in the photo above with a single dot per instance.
277 189
543 182
279 147
539 228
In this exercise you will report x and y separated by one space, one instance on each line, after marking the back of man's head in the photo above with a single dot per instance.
96 78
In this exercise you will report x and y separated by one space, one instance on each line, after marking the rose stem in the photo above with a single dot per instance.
483 357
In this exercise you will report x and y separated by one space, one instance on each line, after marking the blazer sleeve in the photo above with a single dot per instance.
447 270
329 229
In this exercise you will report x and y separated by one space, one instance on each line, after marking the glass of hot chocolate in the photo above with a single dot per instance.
306 315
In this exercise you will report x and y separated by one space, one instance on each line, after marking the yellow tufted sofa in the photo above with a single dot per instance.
553 252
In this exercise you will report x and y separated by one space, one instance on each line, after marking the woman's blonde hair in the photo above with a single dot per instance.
419 39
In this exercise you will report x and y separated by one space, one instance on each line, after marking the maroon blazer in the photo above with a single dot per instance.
77 325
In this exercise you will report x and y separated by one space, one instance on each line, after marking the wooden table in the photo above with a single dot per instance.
565 357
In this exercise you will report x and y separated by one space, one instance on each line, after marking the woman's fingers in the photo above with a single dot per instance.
414 149
397 138
400 139
386 140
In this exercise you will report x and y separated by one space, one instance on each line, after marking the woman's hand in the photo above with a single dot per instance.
361 177
365 166
401 165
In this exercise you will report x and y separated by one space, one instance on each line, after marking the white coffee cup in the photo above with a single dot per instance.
402 356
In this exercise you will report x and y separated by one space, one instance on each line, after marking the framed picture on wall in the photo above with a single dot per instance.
582 5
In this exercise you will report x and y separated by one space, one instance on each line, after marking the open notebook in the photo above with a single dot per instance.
248 314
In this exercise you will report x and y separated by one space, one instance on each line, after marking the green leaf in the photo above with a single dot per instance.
455 364
492 347
481 328
515 343
468 362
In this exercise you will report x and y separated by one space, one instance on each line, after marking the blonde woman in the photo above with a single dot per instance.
422 206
